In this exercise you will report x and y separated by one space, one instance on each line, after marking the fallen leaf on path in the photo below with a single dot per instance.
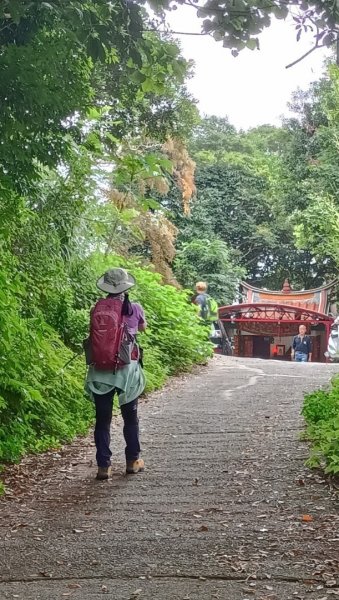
307 518
203 528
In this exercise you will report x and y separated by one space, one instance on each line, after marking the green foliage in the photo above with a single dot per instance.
211 261
122 79
174 329
212 137
41 404
152 99
321 412
322 405
311 190
253 188
47 48
238 24
318 228
232 205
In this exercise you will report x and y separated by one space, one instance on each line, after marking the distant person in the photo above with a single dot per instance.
333 342
207 306
302 346
115 367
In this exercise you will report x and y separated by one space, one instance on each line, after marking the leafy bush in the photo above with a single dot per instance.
321 412
41 405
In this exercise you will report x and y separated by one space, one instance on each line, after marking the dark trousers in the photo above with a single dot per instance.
102 432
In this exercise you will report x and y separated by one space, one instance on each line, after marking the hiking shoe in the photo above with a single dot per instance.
103 473
135 466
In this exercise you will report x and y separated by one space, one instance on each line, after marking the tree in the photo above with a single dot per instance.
310 185
125 96
246 196
150 100
231 204
211 138
238 24
318 229
47 48
209 260
113 72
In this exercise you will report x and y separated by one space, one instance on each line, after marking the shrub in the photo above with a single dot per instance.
321 412
41 405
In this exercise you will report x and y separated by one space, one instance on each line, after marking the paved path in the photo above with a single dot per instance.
217 515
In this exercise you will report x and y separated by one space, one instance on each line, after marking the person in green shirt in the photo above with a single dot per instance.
207 306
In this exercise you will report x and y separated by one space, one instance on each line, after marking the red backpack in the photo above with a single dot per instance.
108 331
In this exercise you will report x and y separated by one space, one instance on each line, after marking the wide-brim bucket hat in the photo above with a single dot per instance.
115 281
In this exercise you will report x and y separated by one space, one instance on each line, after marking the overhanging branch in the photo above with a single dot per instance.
298 60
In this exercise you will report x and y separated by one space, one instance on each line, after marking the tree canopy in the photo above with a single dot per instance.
238 24
264 192
93 24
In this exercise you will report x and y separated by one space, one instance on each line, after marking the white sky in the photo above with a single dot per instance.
253 88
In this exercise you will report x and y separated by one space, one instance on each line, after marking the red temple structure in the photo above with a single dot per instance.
263 326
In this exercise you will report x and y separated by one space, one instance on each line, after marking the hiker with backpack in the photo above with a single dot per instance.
207 306
115 366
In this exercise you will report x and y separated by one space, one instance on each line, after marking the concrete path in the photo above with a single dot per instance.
226 509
